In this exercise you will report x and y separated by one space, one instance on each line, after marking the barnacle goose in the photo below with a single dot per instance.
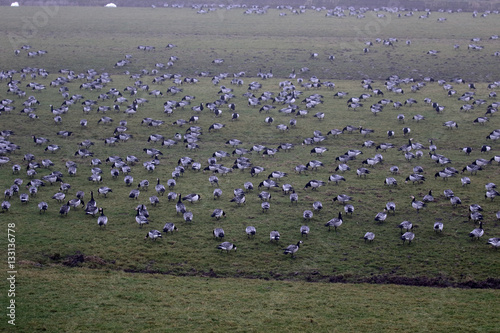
494 242
407 236
417 204
218 213
153 234
381 216
438 226
218 233
274 236
304 230
369 236
342 198
335 222
477 232
405 225
102 220
227 246
250 231
141 219
64 210
307 214
43 206
5 205
169 227
292 249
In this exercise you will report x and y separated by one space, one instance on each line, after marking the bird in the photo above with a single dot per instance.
179 206
317 206
407 236
304 230
307 214
428 197
335 222
349 209
227 246
218 233
141 219
342 198
438 226
169 227
390 206
292 249
417 204
494 242
193 197
274 236
405 225
153 234
265 206
369 236
381 216
250 231
218 213
477 232
43 206
102 220
64 210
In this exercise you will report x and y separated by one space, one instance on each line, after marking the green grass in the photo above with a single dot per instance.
74 300
447 259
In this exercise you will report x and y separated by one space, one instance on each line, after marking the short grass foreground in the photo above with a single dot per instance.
82 300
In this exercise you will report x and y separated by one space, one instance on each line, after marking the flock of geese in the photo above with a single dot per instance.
292 98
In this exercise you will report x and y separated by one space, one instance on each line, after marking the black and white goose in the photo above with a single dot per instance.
342 198
292 249
218 233
218 213
169 227
438 226
153 235
369 236
274 236
250 231
43 206
179 206
102 220
381 216
335 222
192 198
64 210
408 236
304 230
226 246
494 242
477 232
405 225
417 204
314 184
141 219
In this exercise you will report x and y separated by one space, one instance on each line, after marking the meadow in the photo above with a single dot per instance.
52 250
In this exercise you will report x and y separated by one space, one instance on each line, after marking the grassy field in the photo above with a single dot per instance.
46 244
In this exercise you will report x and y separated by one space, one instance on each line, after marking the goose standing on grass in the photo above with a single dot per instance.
418 205
438 226
226 246
405 225
407 236
349 209
250 231
335 222
43 206
292 249
141 219
102 220
218 213
179 206
64 210
494 242
369 236
307 215
304 230
169 227
188 216
5 206
478 232
219 233
274 236
153 234
381 216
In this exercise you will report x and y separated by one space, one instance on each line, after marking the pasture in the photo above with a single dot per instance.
48 243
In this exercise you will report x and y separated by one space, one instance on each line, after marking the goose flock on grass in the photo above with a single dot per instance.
292 98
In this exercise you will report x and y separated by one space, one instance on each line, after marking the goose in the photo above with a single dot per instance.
314 164
362 172
265 206
314 184
227 246
140 218
104 190
349 209
342 198
5 206
407 236
292 249
274 236
450 124
342 167
485 148
213 180
134 194
455 201
171 183
304 230
218 233
381 216
477 232
24 198
317 205
43 206
128 180
438 226
218 213
250 231
239 199
102 220
417 204
64 210
415 178
390 181
159 188
406 225
169 227
335 222
307 215
217 193
192 198
179 206
294 197
335 178
491 194
153 235
428 197
494 242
